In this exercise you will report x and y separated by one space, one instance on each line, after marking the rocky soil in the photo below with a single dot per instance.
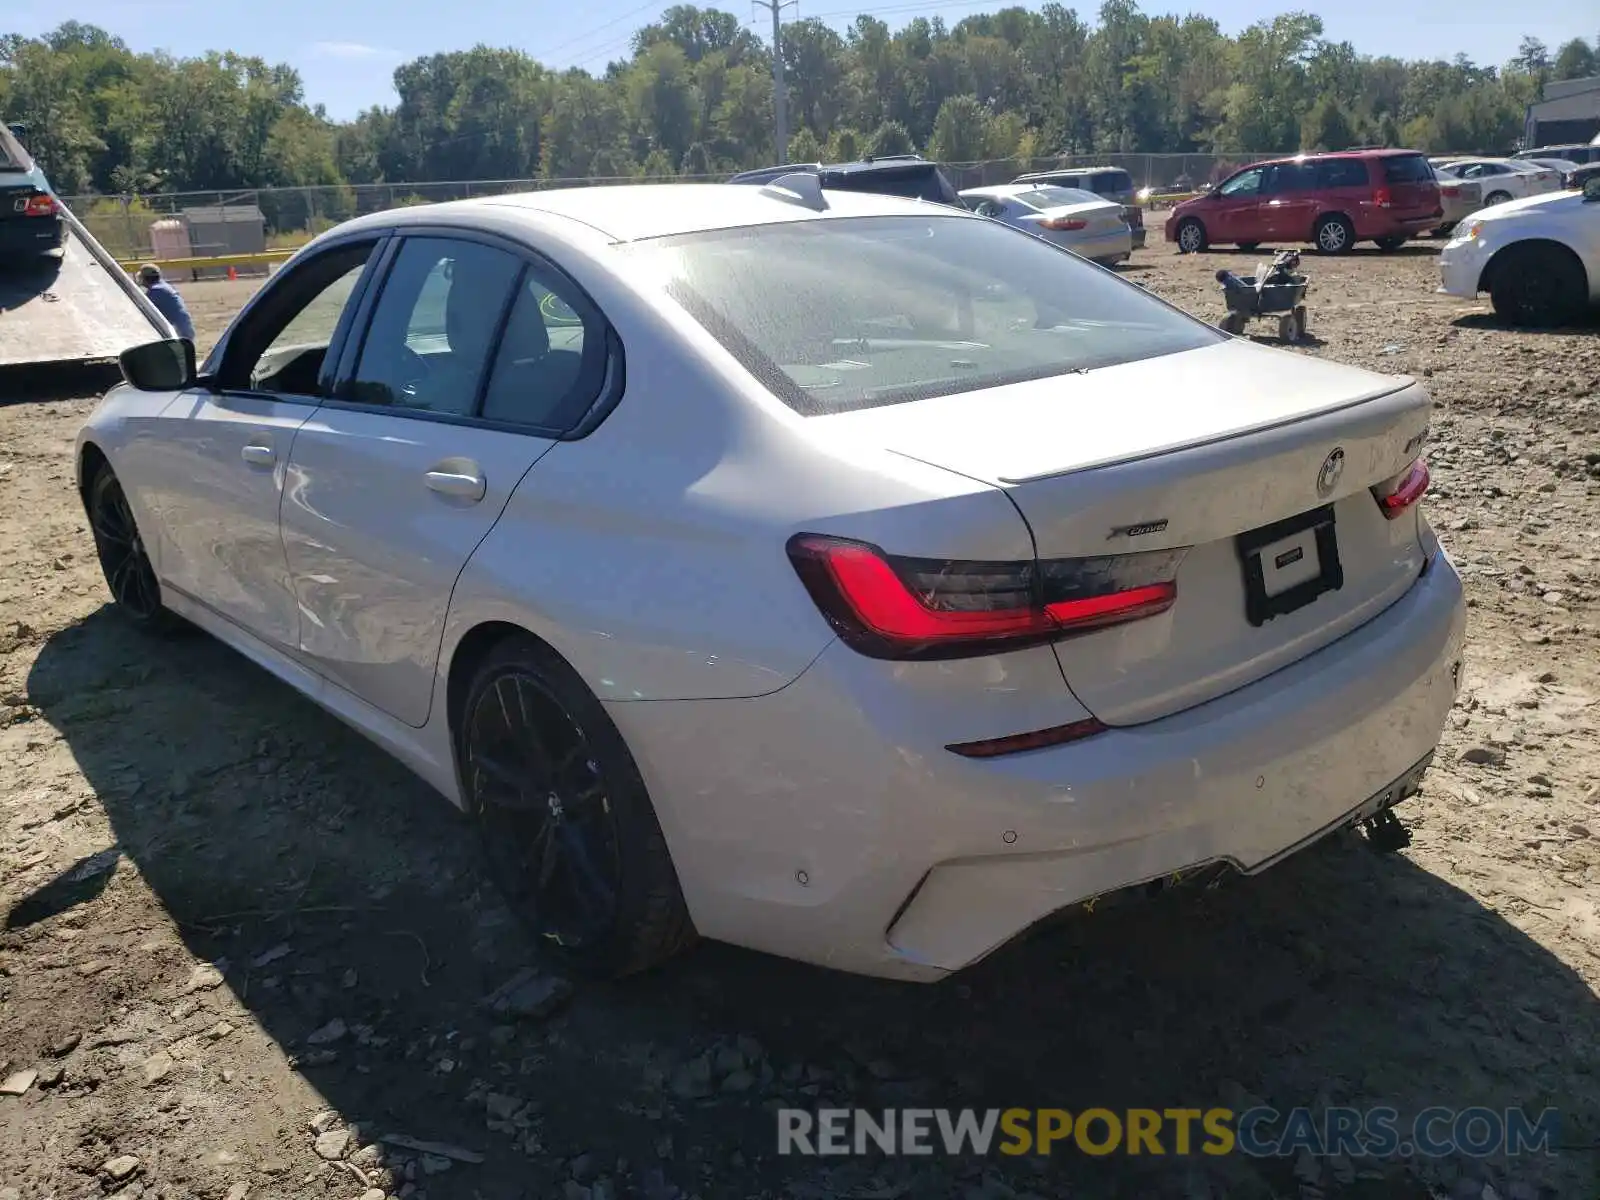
245 955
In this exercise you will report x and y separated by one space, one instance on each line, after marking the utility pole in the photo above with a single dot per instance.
780 95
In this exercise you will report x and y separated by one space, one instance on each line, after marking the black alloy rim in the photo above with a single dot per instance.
127 567
548 823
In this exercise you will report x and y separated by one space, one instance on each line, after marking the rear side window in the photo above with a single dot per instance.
852 313
1109 183
12 156
1343 172
1407 168
1292 177
552 360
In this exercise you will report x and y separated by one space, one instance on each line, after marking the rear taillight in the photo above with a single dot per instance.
1448 190
1383 197
1064 223
42 205
893 607
1402 492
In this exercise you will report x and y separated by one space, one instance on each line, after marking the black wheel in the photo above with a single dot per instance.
1192 237
1247 247
567 825
1537 285
1335 235
1496 198
1390 244
1444 230
134 588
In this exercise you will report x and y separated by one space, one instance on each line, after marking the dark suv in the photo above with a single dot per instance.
1111 182
908 175
1330 200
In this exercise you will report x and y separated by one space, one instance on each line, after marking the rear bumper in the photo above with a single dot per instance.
1116 246
813 822
21 236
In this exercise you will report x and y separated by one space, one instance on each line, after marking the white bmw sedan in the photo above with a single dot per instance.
847 577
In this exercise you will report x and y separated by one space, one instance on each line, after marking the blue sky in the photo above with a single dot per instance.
346 50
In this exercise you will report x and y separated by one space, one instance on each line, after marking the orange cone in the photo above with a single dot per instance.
233 272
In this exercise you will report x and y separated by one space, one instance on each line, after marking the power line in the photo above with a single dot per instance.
584 37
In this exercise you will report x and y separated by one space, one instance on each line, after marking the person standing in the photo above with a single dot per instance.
166 299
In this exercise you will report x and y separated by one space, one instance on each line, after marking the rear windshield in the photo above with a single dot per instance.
913 183
1056 197
1407 168
1109 182
853 313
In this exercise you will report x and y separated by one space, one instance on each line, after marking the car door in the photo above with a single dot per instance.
1234 215
1288 202
215 476
474 353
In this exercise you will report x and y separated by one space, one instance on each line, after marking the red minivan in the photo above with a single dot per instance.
1330 200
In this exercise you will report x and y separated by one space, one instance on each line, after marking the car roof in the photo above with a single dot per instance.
1007 190
630 212
1058 171
864 166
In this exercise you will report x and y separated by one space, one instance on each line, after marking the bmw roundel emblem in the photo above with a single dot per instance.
1332 468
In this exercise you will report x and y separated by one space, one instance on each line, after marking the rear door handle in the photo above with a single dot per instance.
258 455
464 484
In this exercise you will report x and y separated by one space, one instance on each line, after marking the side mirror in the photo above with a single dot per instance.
1591 189
165 366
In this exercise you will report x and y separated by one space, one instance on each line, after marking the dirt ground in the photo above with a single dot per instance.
241 948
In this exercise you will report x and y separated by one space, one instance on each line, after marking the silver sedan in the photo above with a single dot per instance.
1077 220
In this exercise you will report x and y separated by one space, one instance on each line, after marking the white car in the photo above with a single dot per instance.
1072 218
839 575
1502 179
1539 258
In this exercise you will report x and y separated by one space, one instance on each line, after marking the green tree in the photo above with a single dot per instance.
890 138
1326 127
1576 60
960 131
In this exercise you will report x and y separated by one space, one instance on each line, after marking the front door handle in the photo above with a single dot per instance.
463 483
258 455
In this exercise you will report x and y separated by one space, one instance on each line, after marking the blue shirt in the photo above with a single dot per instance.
166 299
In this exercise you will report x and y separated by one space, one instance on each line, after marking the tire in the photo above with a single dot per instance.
1249 247
1444 230
1192 237
1390 244
1539 286
1496 198
135 590
1334 235
542 764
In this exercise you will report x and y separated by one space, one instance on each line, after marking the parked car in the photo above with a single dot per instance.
1572 151
30 215
1330 200
848 577
1113 183
1563 167
1502 179
1459 198
908 175
1538 258
1074 219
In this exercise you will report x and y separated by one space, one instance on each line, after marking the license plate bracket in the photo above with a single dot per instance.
1261 605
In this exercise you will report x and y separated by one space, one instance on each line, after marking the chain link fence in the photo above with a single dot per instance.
293 215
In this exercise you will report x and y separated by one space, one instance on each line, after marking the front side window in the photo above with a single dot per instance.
434 326
281 346
1245 183
850 313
